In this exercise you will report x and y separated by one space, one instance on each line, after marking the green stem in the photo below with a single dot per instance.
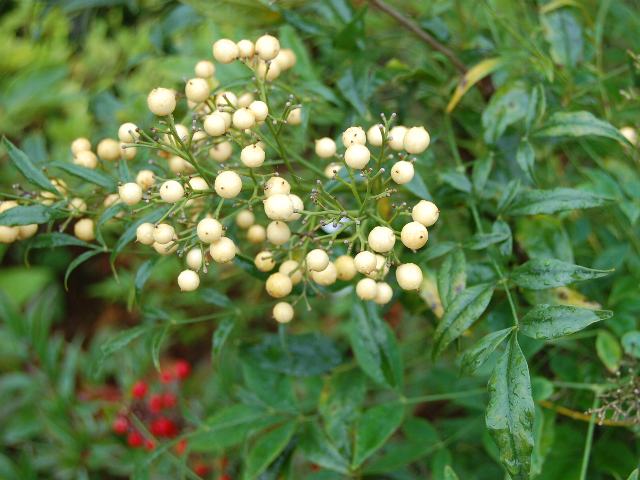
589 441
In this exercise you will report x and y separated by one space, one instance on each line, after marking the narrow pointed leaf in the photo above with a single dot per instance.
26 167
88 174
452 277
544 273
28 214
373 429
267 448
579 124
318 449
535 202
475 357
553 321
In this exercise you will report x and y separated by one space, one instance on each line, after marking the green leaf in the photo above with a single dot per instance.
418 187
267 448
457 180
57 239
142 275
510 413
28 170
480 241
375 346
465 309
526 158
509 194
506 246
564 34
508 105
122 339
534 202
269 388
373 429
156 345
28 214
579 124
631 343
318 449
553 321
88 174
544 273
475 356
221 335
76 262
634 475
449 473
481 171
215 297
452 277
609 350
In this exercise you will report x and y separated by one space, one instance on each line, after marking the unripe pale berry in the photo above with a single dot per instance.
396 137
365 262
268 71
228 184
221 152
108 149
327 276
130 193
353 136
111 199
245 218
171 191
357 156
127 132
209 230
252 156
161 101
278 285
295 116
332 170
260 110
243 118
325 147
381 239
8 234
194 259
409 276
127 152
317 260
178 164
630 134
83 229
86 159
256 234
384 293
366 289
188 281
298 206
278 206
292 269
27 231
381 269
225 51
416 140
283 312
414 235
223 250
144 233
264 261
285 59
425 212
246 49
402 172
345 267
245 100
204 69
198 184
267 47
80 145
197 90
77 205
199 136
276 185
226 101
165 249
146 179
374 135
163 233
278 232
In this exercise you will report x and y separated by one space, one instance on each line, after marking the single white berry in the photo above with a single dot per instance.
252 156
260 110
205 69
165 249
161 101
226 101
381 239
381 269
317 260
283 312
127 133
425 212
325 147
298 206
146 179
209 230
292 269
27 231
246 49
402 172
197 90
276 185
353 136
326 277
256 234
127 152
77 205
223 250
629 133
243 118
409 276
220 152
264 261
285 59
384 293
366 289
108 149
357 156
194 259
245 100
414 235
268 71
225 50
332 170
396 137
365 262
416 140
80 145
375 135
8 234
178 164
278 285
144 233
245 218
171 191
346 267
267 47
295 116
188 281
228 184
111 199
130 193
86 159
278 206
278 232
164 233
198 184
84 230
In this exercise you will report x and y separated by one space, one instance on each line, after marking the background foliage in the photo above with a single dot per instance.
527 164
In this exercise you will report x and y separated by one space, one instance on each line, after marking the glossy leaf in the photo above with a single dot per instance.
28 214
474 357
481 241
608 350
543 273
526 159
563 31
579 124
553 321
76 262
481 171
452 277
373 428
449 473
26 167
221 335
534 202
631 343
471 77
88 174
57 239
318 449
267 448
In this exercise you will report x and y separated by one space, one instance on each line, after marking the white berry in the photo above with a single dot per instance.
381 239
163 233
425 212
86 159
365 262
161 101
209 230
295 116
144 233
396 137
409 276
225 50
127 133
384 293
80 145
171 191
245 218
278 285
246 49
108 149
292 269
188 281
278 232
332 170
298 206
366 289
260 110
130 193
252 156
357 156
374 135
325 147
243 118
198 184
353 136
267 47
283 312
256 234
278 206
221 152
223 250
416 140
83 229
264 261
204 69
317 260
402 172
276 185
228 184
194 259
146 179
345 267
414 235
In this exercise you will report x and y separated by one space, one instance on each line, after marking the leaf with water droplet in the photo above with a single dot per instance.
543 273
554 321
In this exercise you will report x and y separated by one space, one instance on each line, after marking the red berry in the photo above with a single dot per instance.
181 446
166 377
120 425
149 445
139 389
201 469
163 427
135 439
156 403
183 369
169 400
224 477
